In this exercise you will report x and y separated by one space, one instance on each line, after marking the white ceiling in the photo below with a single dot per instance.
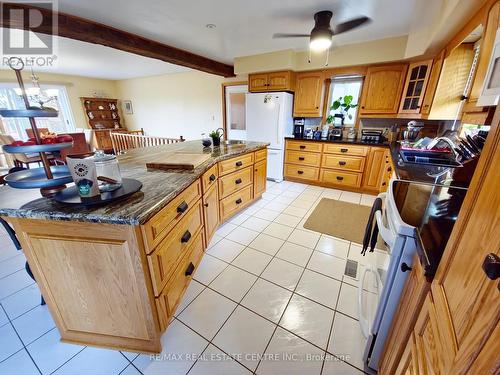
245 27
93 60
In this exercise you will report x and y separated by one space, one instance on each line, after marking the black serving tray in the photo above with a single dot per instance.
70 195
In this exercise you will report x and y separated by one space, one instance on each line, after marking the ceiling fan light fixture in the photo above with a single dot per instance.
321 43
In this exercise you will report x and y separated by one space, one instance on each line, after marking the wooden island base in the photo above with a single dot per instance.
117 285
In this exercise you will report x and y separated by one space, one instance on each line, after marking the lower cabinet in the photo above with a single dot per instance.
374 172
259 178
211 212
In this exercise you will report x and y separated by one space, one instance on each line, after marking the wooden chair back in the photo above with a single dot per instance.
80 146
124 141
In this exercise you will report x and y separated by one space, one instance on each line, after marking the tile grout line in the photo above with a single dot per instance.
22 342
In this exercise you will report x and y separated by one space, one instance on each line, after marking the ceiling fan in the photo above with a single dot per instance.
320 38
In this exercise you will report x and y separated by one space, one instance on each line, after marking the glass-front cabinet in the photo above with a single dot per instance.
415 85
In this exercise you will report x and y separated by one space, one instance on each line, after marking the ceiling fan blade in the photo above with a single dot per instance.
284 35
349 25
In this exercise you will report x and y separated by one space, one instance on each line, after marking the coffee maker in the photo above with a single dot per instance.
298 127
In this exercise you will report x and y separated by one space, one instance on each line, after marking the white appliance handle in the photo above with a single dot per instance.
278 140
384 231
363 321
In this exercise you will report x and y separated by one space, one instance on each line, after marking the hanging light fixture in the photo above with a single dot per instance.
36 94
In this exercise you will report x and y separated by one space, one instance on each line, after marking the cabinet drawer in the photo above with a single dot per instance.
170 297
346 150
261 155
232 182
233 203
162 223
349 163
304 173
164 259
303 158
235 164
333 177
304 146
209 178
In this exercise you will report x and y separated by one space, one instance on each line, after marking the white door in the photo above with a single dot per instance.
235 112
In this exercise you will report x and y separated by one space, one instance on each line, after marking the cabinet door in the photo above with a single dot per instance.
257 82
374 171
382 89
414 90
279 81
259 178
308 95
467 300
211 212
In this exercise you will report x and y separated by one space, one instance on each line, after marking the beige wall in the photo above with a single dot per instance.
377 51
75 86
171 105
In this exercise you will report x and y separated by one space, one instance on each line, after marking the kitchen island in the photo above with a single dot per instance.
113 275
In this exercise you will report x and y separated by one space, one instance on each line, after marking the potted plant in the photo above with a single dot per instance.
216 135
345 105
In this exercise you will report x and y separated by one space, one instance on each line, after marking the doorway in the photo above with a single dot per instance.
234 114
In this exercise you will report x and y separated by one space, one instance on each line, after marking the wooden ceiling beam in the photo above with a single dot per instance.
85 30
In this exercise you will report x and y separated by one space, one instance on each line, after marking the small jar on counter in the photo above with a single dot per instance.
108 171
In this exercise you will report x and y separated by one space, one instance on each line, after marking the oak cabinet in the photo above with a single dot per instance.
259 178
374 170
273 81
308 95
415 86
211 212
382 89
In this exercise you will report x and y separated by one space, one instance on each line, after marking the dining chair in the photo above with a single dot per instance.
21 160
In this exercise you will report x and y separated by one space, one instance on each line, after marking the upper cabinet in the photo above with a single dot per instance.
309 95
415 85
274 81
382 89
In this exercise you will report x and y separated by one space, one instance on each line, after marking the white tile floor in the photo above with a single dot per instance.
269 297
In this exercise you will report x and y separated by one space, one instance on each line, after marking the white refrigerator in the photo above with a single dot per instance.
269 119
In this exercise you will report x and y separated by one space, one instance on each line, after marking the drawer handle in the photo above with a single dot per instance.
300 172
189 270
212 177
206 204
340 178
186 237
344 149
182 207
239 163
302 158
238 201
302 147
342 163
237 181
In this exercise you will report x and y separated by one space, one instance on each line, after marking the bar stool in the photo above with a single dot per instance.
13 237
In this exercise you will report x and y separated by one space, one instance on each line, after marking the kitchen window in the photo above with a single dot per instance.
16 127
342 86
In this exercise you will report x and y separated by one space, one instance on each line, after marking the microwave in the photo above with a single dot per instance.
491 86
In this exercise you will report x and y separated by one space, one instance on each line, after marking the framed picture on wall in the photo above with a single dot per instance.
127 107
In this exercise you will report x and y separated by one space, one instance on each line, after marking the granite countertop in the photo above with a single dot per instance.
158 187
355 141
423 173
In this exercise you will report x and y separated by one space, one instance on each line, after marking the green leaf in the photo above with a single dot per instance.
329 119
348 99
335 105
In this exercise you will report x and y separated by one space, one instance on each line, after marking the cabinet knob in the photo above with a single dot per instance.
189 270
344 149
206 204
405 267
238 163
342 163
340 178
317 107
182 207
238 181
300 172
186 237
301 158
362 107
302 147
238 201
491 266
212 177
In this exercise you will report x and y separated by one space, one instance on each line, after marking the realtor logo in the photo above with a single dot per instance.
32 31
